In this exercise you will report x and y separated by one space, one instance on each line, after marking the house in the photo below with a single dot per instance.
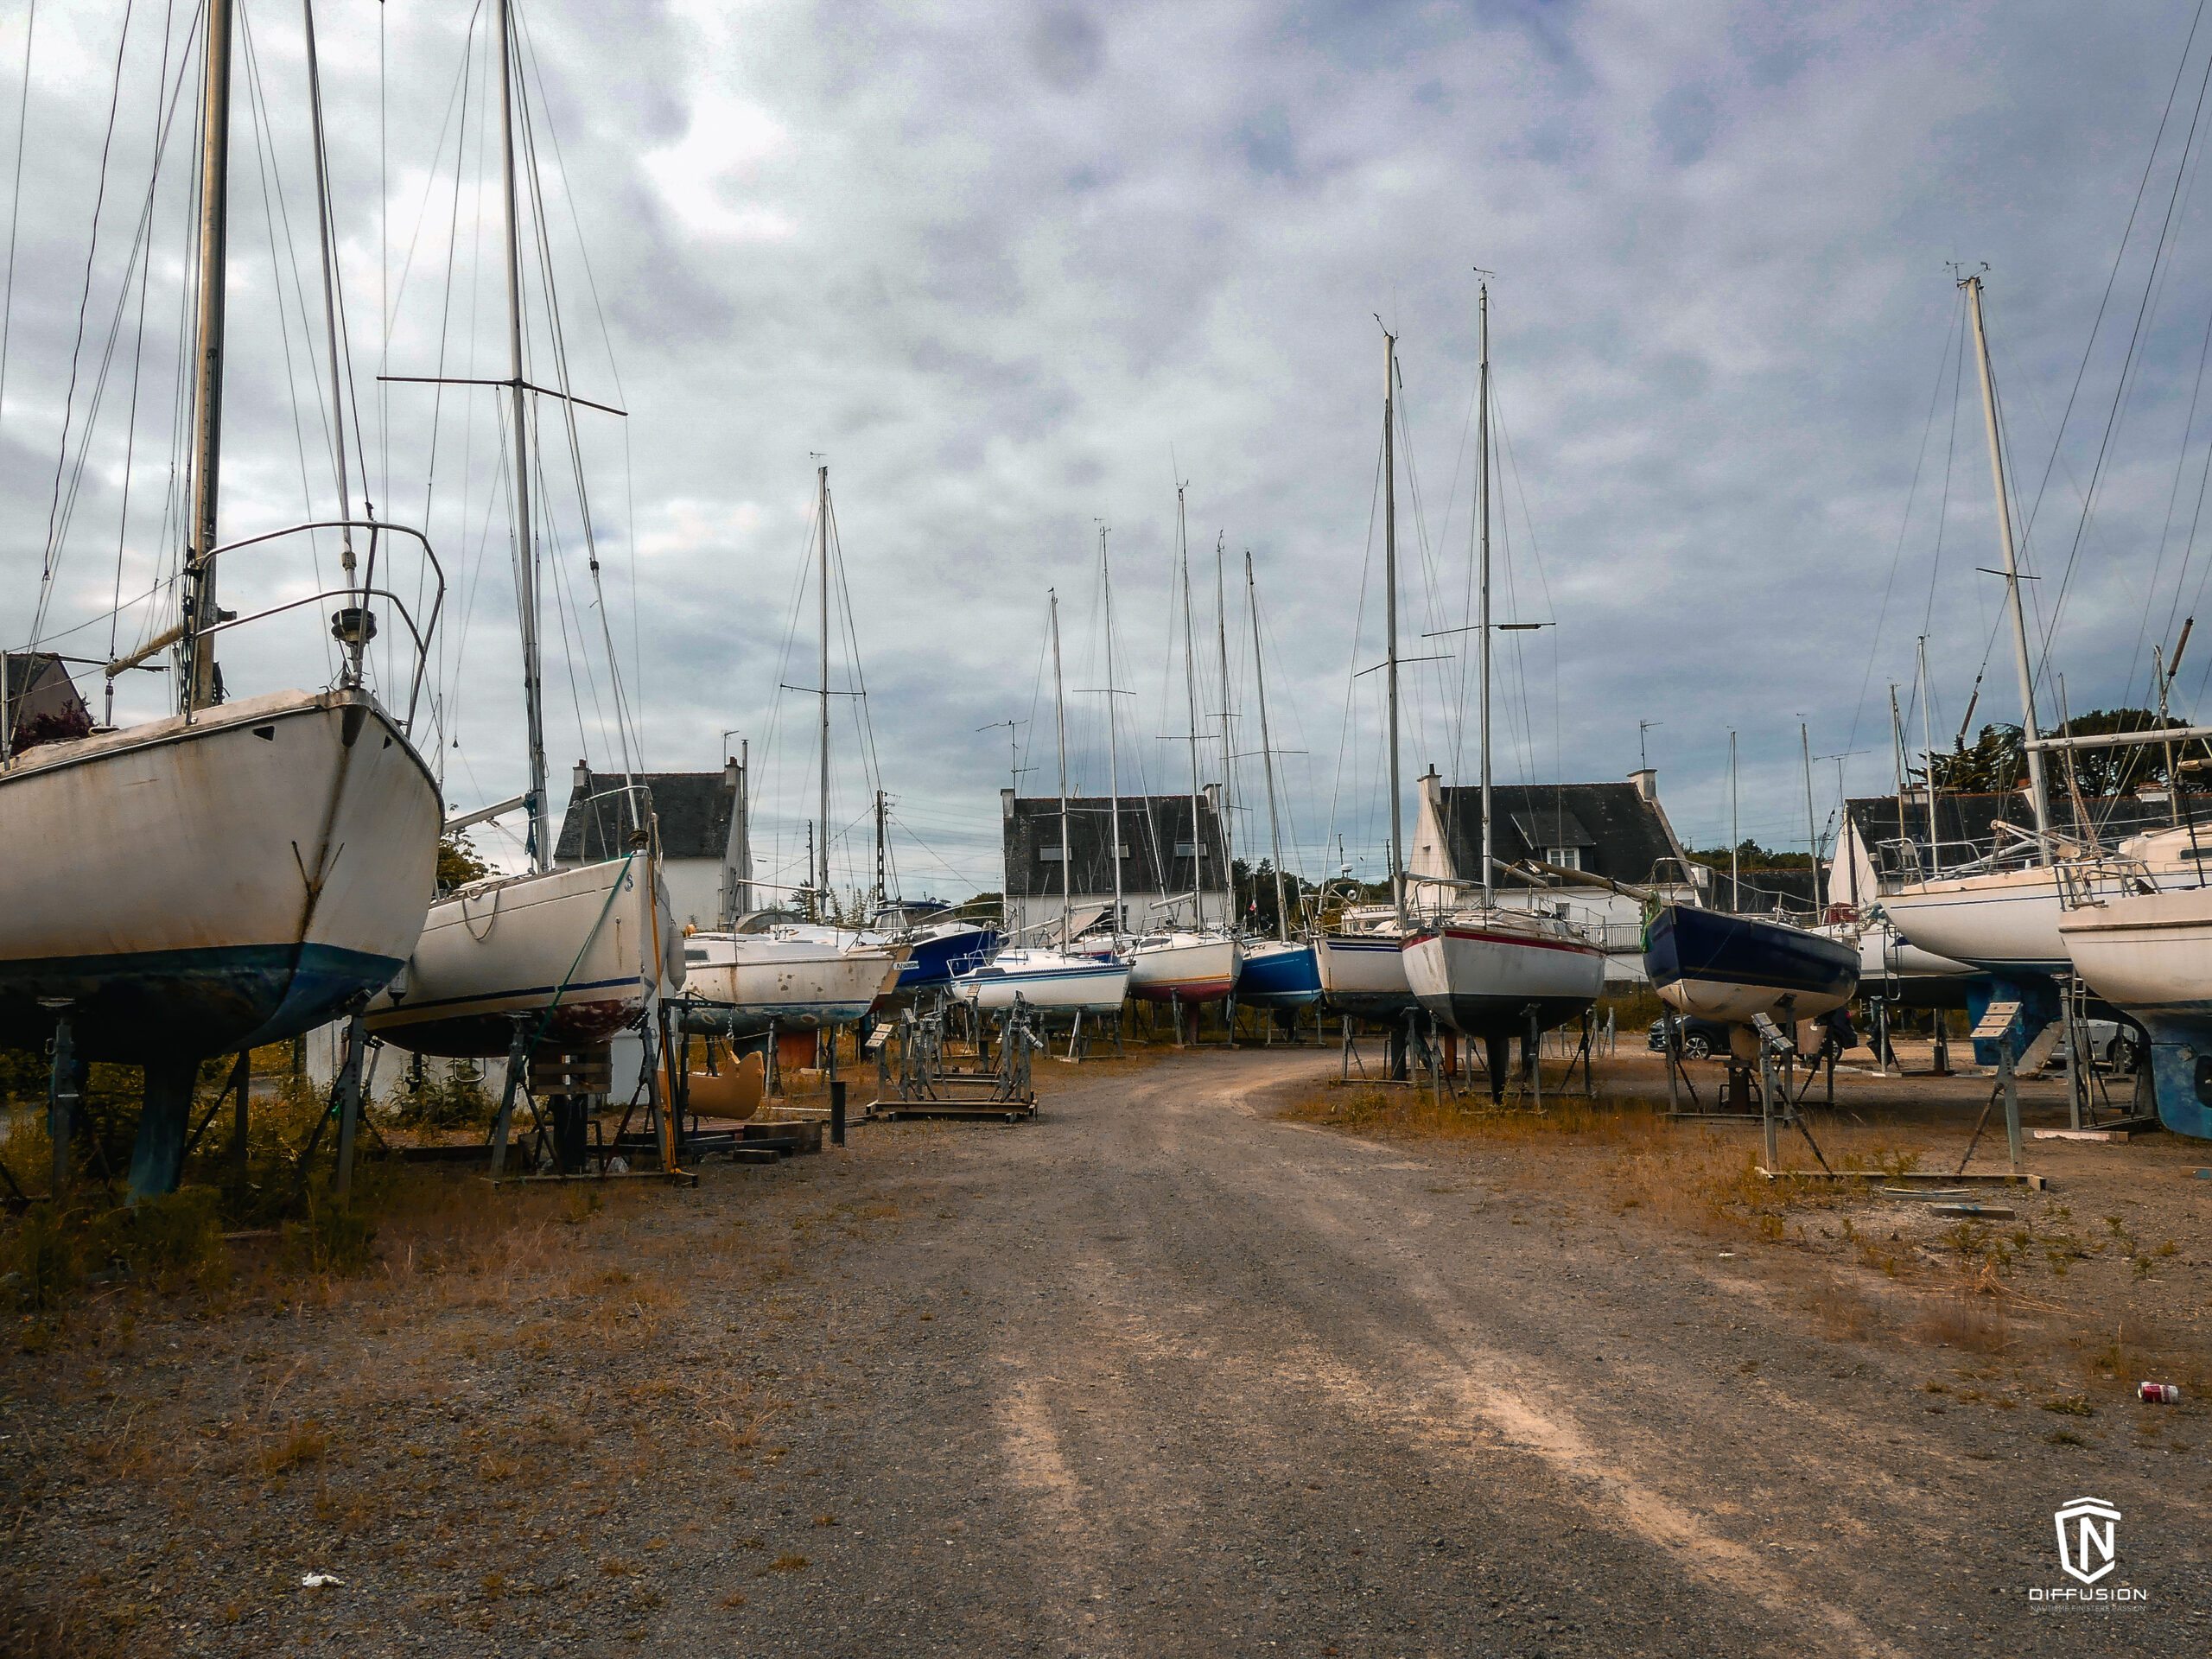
1617 831
1885 842
706 858
40 701
1163 862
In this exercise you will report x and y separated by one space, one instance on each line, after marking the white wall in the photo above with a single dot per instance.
694 890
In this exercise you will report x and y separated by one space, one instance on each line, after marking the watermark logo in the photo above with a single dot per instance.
2081 1541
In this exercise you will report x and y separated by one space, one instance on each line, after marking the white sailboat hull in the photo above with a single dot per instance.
194 887
1364 974
581 950
2007 921
1185 969
1489 976
1048 981
2150 952
752 981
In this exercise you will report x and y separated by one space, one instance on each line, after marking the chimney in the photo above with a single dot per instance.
730 773
584 778
1006 804
1646 780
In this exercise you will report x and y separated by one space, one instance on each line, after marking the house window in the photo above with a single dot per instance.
1187 849
1567 858
1048 855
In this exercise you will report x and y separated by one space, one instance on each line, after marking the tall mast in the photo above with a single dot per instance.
822 815
1812 831
1390 612
1227 748
1060 723
533 689
2039 795
1482 469
882 891
1735 833
1927 748
197 681
1267 747
1896 747
1191 690
1113 745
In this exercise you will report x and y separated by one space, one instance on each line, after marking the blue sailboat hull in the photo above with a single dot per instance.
935 962
1279 979
1734 968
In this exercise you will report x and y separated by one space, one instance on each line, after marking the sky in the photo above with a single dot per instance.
1014 271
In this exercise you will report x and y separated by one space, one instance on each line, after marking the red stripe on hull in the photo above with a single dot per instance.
1198 990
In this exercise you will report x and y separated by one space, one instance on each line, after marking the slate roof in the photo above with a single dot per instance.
1972 818
1620 834
694 808
1151 827
44 705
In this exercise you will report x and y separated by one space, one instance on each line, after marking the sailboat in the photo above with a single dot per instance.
2003 914
803 973
1060 979
1487 972
1734 968
560 957
234 873
1281 972
1195 963
2150 955
1361 964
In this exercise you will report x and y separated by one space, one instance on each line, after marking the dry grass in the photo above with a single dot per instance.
1973 1324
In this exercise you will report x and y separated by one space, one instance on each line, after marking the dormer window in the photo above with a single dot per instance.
1567 858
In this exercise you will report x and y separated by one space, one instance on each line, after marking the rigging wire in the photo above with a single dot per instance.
76 349
2130 364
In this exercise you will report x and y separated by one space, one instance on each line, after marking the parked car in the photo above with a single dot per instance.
2109 1041
1698 1038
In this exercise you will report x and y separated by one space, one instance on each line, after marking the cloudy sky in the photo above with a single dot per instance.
1014 270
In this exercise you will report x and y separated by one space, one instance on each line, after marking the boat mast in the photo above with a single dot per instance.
1390 612
1735 836
1928 746
1191 691
1267 749
197 681
821 814
882 891
1228 753
533 690
1060 721
1812 832
1896 748
1482 455
1113 745
2038 793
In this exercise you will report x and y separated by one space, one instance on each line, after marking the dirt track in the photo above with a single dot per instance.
1162 1373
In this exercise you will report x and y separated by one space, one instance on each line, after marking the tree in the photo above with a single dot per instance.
1997 763
1256 895
458 862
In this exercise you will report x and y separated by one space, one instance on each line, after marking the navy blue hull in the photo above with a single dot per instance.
1279 979
934 962
1743 963
159 1004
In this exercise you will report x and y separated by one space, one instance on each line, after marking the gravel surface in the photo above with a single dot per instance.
1160 1373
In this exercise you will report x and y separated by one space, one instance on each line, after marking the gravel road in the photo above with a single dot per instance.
1161 1374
